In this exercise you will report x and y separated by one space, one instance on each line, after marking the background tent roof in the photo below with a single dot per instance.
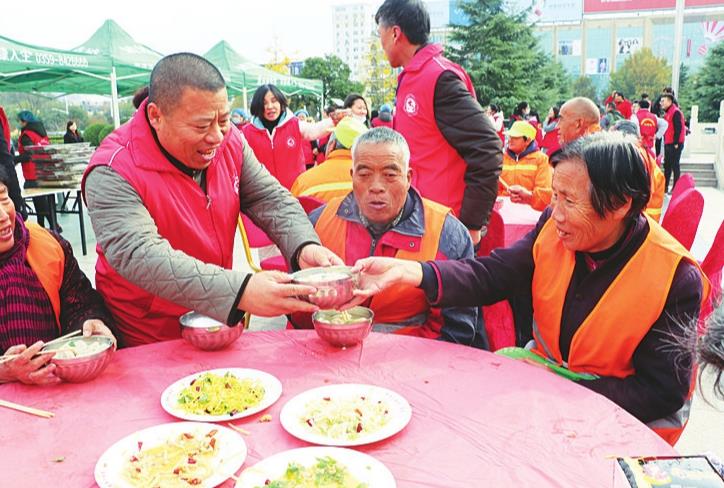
28 68
133 61
241 74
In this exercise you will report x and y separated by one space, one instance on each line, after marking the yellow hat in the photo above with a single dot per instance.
348 130
522 129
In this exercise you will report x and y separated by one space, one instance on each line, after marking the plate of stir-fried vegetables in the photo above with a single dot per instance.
221 394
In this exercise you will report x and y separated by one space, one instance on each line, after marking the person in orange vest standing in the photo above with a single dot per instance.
455 153
526 175
610 288
384 216
44 294
673 138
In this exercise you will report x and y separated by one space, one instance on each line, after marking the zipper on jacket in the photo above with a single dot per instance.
373 246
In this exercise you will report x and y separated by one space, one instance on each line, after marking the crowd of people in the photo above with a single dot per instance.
405 196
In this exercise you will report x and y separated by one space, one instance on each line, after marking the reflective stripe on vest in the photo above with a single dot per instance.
605 342
342 186
398 303
47 260
650 271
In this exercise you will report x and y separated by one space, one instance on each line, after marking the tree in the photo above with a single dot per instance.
382 81
708 85
279 61
503 58
335 75
642 72
585 87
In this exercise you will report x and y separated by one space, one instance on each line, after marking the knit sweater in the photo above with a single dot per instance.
26 314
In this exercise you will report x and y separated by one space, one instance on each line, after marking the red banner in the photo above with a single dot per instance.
598 6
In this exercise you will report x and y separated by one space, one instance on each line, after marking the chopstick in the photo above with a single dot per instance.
23 408
8 357
4 359
58 339
503 182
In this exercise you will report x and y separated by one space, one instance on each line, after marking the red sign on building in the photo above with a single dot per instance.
600 6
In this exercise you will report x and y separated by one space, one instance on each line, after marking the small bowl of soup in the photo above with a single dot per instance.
343 329
208 334
334 285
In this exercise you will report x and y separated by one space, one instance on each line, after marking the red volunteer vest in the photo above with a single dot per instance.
437 169
669 134
647 126
605 342
200 226
5 127
38 140
281 152
47 260
398 303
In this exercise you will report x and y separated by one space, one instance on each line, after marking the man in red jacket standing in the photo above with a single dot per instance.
456 155
673 138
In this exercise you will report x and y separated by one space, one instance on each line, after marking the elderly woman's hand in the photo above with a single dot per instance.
28 369
378 273
96 327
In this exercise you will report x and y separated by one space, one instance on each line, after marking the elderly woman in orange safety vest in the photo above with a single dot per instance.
610 289
43 294
526 175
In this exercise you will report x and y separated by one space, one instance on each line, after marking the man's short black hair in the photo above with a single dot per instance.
616 170
257 101
645 104
410 15
176 72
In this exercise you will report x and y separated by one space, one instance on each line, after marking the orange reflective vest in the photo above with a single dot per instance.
399 302
47 260
605 342
658 184
532 172
326 181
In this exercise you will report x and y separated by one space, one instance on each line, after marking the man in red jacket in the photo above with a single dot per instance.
622 105
673 138
456 155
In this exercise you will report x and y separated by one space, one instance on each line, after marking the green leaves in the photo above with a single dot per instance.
502 55
642 72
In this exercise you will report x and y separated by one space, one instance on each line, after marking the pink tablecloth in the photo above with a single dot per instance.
478 419
519 219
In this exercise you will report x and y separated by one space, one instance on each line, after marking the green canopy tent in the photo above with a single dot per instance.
242 75
110 62
28 68
131 62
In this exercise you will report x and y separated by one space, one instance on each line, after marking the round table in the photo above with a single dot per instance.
477 419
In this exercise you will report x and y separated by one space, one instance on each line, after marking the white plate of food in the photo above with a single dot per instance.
221 394
178 454
318 466
345 415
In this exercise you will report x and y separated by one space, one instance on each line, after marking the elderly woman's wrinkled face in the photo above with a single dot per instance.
7 220
272 107
380 181
578 225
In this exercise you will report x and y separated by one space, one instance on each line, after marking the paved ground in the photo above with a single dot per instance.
705 432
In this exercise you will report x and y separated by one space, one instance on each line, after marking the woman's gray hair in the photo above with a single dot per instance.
384 135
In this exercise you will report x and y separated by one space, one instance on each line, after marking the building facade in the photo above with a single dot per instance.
595 37
354 25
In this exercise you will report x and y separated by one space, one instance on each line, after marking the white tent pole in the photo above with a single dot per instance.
244 97
114 99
